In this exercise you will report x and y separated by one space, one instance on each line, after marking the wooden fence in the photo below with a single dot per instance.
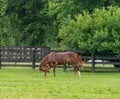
21 54
106 57
32 55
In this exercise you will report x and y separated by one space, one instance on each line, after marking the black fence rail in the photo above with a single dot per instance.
106 57
18 54
22 54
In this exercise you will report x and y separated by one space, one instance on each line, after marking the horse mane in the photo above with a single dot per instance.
44 61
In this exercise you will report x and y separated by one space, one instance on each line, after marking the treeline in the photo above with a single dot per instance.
92 25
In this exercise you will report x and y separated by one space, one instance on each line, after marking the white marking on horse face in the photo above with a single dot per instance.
79 73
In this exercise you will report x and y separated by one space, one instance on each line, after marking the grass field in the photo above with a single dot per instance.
24 83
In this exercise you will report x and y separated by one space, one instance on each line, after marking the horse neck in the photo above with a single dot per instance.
44 61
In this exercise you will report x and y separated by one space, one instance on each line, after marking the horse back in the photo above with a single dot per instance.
59 57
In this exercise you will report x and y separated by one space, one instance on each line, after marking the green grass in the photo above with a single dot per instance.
24 83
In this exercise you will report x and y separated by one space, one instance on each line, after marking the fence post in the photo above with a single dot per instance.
33 59
93 62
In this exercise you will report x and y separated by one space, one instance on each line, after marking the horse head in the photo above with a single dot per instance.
43 63
44 68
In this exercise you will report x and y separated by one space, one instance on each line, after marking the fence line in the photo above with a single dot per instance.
22 54
32 55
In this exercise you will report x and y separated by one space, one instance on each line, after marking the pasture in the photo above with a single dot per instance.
25 83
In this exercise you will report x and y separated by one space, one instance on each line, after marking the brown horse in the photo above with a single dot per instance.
54 58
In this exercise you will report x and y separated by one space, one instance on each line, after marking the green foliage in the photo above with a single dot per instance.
28 20
94 32
37 23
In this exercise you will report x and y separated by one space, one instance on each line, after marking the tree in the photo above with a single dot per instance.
37 22
93 32
28 21
57 12
61 11
5 27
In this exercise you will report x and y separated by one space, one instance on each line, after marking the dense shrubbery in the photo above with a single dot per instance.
94 32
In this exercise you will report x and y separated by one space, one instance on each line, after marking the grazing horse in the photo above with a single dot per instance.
54 58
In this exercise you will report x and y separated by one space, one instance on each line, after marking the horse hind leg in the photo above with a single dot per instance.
78 70
65 67
75 71
79 74
74 66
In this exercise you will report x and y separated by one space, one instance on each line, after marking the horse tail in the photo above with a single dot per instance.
81 62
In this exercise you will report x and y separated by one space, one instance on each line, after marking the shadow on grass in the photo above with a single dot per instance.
102 71
97 70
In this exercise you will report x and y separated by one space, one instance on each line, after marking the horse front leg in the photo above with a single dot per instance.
54 71
52 65
47 71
